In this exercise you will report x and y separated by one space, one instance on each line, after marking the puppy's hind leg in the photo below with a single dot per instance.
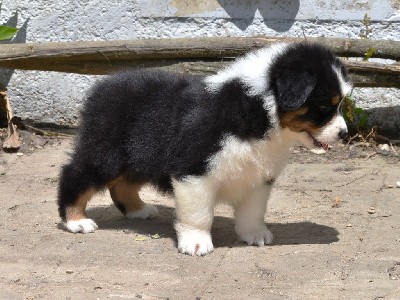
126 198
195 213
74 193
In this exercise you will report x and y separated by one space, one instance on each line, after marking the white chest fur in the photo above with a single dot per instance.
242 165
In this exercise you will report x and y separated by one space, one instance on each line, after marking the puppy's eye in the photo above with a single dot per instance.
325 108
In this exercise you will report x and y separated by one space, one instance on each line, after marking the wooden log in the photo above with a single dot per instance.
362 73
12 142
368 74
217 47
103 57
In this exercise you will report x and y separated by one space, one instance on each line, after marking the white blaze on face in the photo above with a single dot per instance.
345 86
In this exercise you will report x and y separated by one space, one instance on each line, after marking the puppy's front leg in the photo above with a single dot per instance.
249 217
195 213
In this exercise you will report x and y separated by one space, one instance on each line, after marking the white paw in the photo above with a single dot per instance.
259 235
82 225
147 212
194 242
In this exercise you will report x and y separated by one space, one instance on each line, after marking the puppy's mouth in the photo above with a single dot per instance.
318 143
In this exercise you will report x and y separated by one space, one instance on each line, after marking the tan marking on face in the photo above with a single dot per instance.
76 211
126 194
291 120
335 100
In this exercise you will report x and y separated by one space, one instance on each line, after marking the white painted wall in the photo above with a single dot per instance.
56 97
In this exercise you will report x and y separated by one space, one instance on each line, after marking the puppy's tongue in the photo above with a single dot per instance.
318 143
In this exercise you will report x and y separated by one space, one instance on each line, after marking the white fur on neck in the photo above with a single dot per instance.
242 165
250 69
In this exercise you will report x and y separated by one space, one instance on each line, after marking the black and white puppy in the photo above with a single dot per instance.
224 137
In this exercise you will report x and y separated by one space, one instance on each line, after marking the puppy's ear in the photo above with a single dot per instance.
293 88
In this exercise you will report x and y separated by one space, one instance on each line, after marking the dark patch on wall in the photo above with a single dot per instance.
19 38
278 15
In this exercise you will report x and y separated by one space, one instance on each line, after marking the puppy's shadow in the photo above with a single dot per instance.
223 233
110 218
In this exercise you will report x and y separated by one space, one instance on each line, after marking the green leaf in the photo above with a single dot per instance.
348 109
140 238
6 32
358 111
368 54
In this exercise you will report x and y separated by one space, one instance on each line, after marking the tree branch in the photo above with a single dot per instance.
182 55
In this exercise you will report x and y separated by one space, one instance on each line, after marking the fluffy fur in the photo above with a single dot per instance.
224 137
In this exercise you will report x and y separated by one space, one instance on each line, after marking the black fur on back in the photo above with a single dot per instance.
153 126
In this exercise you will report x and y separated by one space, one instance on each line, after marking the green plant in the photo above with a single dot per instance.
367 24
356 117
6 32
368 54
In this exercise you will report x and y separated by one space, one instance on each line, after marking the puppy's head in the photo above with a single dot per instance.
309 83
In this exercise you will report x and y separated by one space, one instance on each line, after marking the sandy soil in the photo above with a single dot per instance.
335 218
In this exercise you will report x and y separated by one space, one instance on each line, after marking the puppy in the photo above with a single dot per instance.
224 137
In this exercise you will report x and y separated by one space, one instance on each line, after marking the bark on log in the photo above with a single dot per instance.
368 74
103 57
12 142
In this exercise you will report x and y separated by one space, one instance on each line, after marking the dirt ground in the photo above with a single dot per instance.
335 218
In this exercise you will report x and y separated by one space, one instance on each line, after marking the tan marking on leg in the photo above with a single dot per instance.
77 210
126 194
112 183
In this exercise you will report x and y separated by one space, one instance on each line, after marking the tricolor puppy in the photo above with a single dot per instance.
224 137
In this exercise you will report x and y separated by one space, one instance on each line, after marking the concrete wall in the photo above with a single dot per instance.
57 97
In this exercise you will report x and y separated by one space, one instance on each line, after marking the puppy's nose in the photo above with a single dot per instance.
343 133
